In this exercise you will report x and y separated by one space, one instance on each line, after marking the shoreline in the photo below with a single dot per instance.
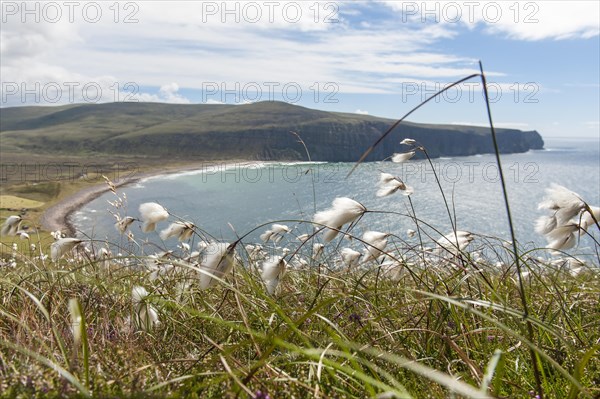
58 215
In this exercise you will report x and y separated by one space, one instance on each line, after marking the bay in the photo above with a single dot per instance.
230 200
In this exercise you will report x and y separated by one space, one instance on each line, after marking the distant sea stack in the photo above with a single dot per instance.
258 131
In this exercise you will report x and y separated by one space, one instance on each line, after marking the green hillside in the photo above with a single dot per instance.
253 131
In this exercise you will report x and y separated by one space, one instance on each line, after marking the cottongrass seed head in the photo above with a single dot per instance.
272 272
408 141
152 213
122 224
343 210
60 247
181 230
390 184
569 216
145 316
403 156
11 225
276 233
218 262
376 242
453 243
350 257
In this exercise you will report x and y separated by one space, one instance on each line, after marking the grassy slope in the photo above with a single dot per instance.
310 339
93 128
333 334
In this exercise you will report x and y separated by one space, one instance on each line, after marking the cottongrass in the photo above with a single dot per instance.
396 319
389 184
59 248
570 216
317 250
403 157
145 316
123 224
454 242
275 234
376 242
218 262
181 230
349 257
283 321
273 271
11 225
151 214
343 211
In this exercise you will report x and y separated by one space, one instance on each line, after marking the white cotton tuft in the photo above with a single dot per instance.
266 236
145 316
545 224
343 210
402 157
152 213
563 237
201 246
569 217
275 233
59 248
385 178
376 241
181 230
390 268
454 242
564 202
254 252
218 261
11 225
280 228
350 257
303 237
123 224
587 220
317 250
408 141
103 256
273 271
390 184
411 233
23 235
138 294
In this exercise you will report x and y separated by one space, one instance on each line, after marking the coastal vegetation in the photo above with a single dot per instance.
321 307
258 131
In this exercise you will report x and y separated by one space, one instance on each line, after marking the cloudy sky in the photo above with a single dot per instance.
542 58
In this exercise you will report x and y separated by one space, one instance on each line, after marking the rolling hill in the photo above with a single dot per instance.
258 131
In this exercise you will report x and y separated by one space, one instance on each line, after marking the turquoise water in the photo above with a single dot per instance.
217 198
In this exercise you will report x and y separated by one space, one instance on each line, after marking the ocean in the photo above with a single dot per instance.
227 201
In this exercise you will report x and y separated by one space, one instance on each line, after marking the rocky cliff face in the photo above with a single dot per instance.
256 131
333 142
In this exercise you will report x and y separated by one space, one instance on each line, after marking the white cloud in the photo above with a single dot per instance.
195 45
533 20
361 112
169 93
212 101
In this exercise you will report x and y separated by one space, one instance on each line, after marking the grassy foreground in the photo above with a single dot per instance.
450 329
457 317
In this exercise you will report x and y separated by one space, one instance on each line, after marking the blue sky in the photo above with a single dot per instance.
380 58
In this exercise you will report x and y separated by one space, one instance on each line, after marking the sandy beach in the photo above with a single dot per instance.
57 216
